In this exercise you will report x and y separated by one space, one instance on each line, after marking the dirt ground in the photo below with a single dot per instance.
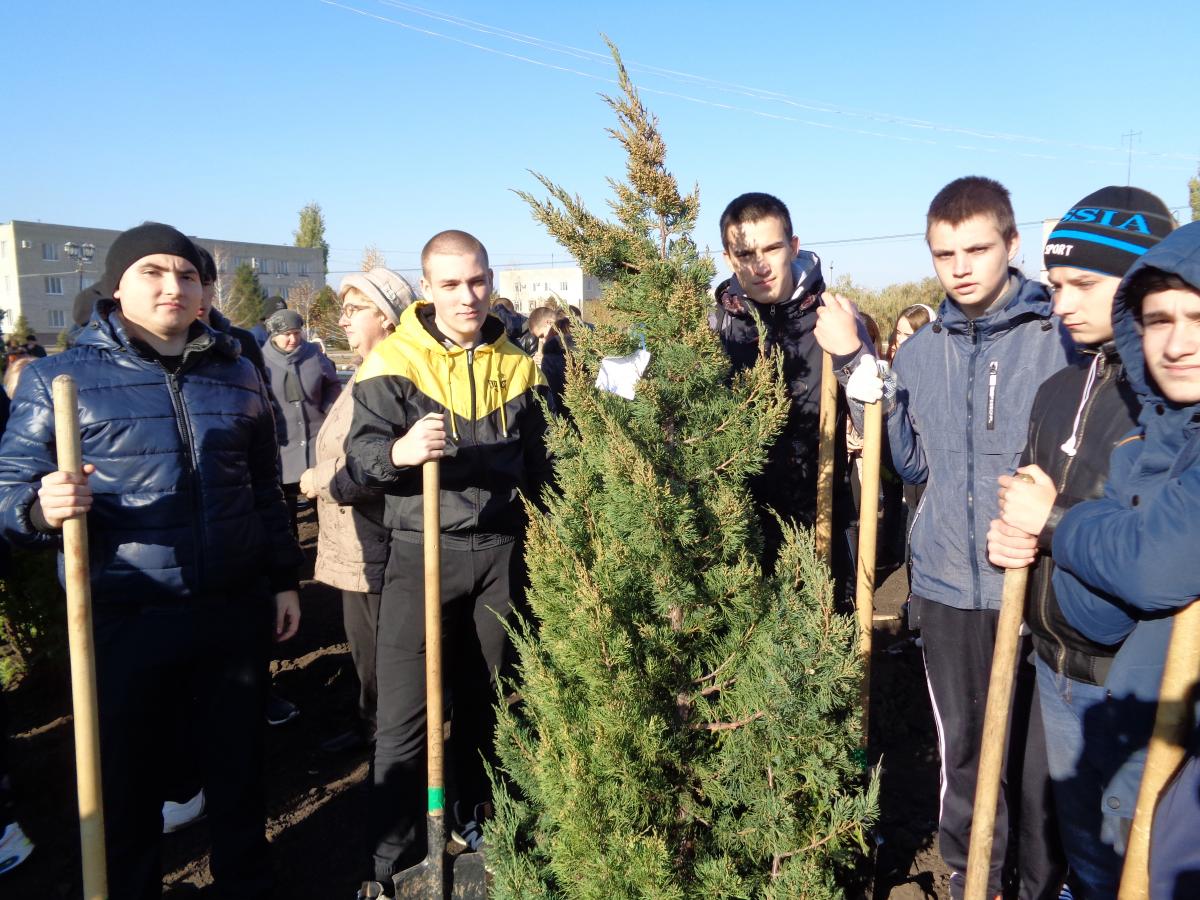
316 804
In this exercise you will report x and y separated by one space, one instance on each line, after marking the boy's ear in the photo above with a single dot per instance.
1013 246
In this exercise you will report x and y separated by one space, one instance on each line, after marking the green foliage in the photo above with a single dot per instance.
1194 195
20 330
32 611
885 306
244 306
689 720
63 341
311 232
323 320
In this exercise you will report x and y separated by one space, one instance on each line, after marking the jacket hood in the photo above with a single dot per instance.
419 330
107 332
1177 254
806 270
1029 300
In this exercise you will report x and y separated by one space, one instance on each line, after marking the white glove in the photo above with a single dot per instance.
864 384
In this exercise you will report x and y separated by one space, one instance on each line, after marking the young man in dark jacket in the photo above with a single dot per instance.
1079 415
193 568
782 284
958 399
448 385
1126 562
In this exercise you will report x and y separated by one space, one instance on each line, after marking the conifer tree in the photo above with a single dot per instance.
244 307
687 722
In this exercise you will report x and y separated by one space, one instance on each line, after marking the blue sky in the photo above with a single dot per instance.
224 118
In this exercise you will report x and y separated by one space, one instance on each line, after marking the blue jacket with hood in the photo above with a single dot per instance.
961 418
187 502
1127 561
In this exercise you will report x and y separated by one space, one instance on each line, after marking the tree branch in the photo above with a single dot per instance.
726 726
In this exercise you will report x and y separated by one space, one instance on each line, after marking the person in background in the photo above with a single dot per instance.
911 320
352 542
33 348
551 328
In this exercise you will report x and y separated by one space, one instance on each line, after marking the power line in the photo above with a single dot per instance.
742 90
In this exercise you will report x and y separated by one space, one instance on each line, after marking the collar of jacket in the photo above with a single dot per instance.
806 270
1027 300
106 331
297 356
418 323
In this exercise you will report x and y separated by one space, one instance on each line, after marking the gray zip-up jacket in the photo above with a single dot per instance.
964 392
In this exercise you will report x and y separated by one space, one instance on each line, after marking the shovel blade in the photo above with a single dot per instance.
427 879
468 878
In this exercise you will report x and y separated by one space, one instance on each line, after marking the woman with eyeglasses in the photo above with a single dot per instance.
352 543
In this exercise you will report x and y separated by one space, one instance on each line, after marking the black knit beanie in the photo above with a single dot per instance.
1108 230
284 320
145 240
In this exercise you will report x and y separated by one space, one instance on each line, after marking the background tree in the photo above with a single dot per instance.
320 311
1194 195
372 257
244 306
689 720
311 232
886 304
20 329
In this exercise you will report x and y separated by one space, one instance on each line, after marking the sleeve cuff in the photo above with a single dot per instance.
38 519
287 579
1057 511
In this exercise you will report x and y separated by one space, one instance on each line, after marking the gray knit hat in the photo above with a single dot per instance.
390 292
284 320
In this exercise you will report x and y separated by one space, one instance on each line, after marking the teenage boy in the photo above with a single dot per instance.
958 402
1079 415
188 537
1125 562
447 385
783 284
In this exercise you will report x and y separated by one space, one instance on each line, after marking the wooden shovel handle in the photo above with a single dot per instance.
1172 723
82 650
827 426
995 732
435 710
868 526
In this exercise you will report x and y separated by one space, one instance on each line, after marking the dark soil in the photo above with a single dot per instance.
316 804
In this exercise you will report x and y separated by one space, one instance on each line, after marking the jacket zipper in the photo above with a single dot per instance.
183 423
474 426
1060 655
973 334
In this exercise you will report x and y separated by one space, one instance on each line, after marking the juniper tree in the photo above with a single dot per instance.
687 722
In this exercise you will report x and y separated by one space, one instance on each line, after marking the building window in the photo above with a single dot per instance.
53 284
50 252
304 269
266 266
283 292
3 248
58 318
281 268
562 285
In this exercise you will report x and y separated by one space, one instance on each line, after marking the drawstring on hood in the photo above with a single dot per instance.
1070 446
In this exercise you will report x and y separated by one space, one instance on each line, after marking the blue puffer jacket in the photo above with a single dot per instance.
961 419
186 490
1127 561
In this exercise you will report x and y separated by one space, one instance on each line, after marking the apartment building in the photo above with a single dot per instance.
530 288
39 276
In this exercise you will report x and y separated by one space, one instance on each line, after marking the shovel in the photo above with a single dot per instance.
1167 745
995 730
868 528
82 650
827 426
437 877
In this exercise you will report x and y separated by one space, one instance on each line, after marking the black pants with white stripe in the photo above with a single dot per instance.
958 663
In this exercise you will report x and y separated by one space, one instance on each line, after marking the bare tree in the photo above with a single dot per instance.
372 257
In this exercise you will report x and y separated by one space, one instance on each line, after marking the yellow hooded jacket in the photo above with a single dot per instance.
495 426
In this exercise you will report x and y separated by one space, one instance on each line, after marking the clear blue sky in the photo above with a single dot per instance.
225 117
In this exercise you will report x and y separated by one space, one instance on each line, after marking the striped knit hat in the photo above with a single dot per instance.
1108 230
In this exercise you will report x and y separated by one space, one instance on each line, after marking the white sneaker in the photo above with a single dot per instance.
177 816
14 848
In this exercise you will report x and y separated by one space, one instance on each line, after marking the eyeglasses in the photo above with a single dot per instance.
349 310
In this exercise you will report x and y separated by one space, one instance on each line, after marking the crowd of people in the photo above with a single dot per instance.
200 439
